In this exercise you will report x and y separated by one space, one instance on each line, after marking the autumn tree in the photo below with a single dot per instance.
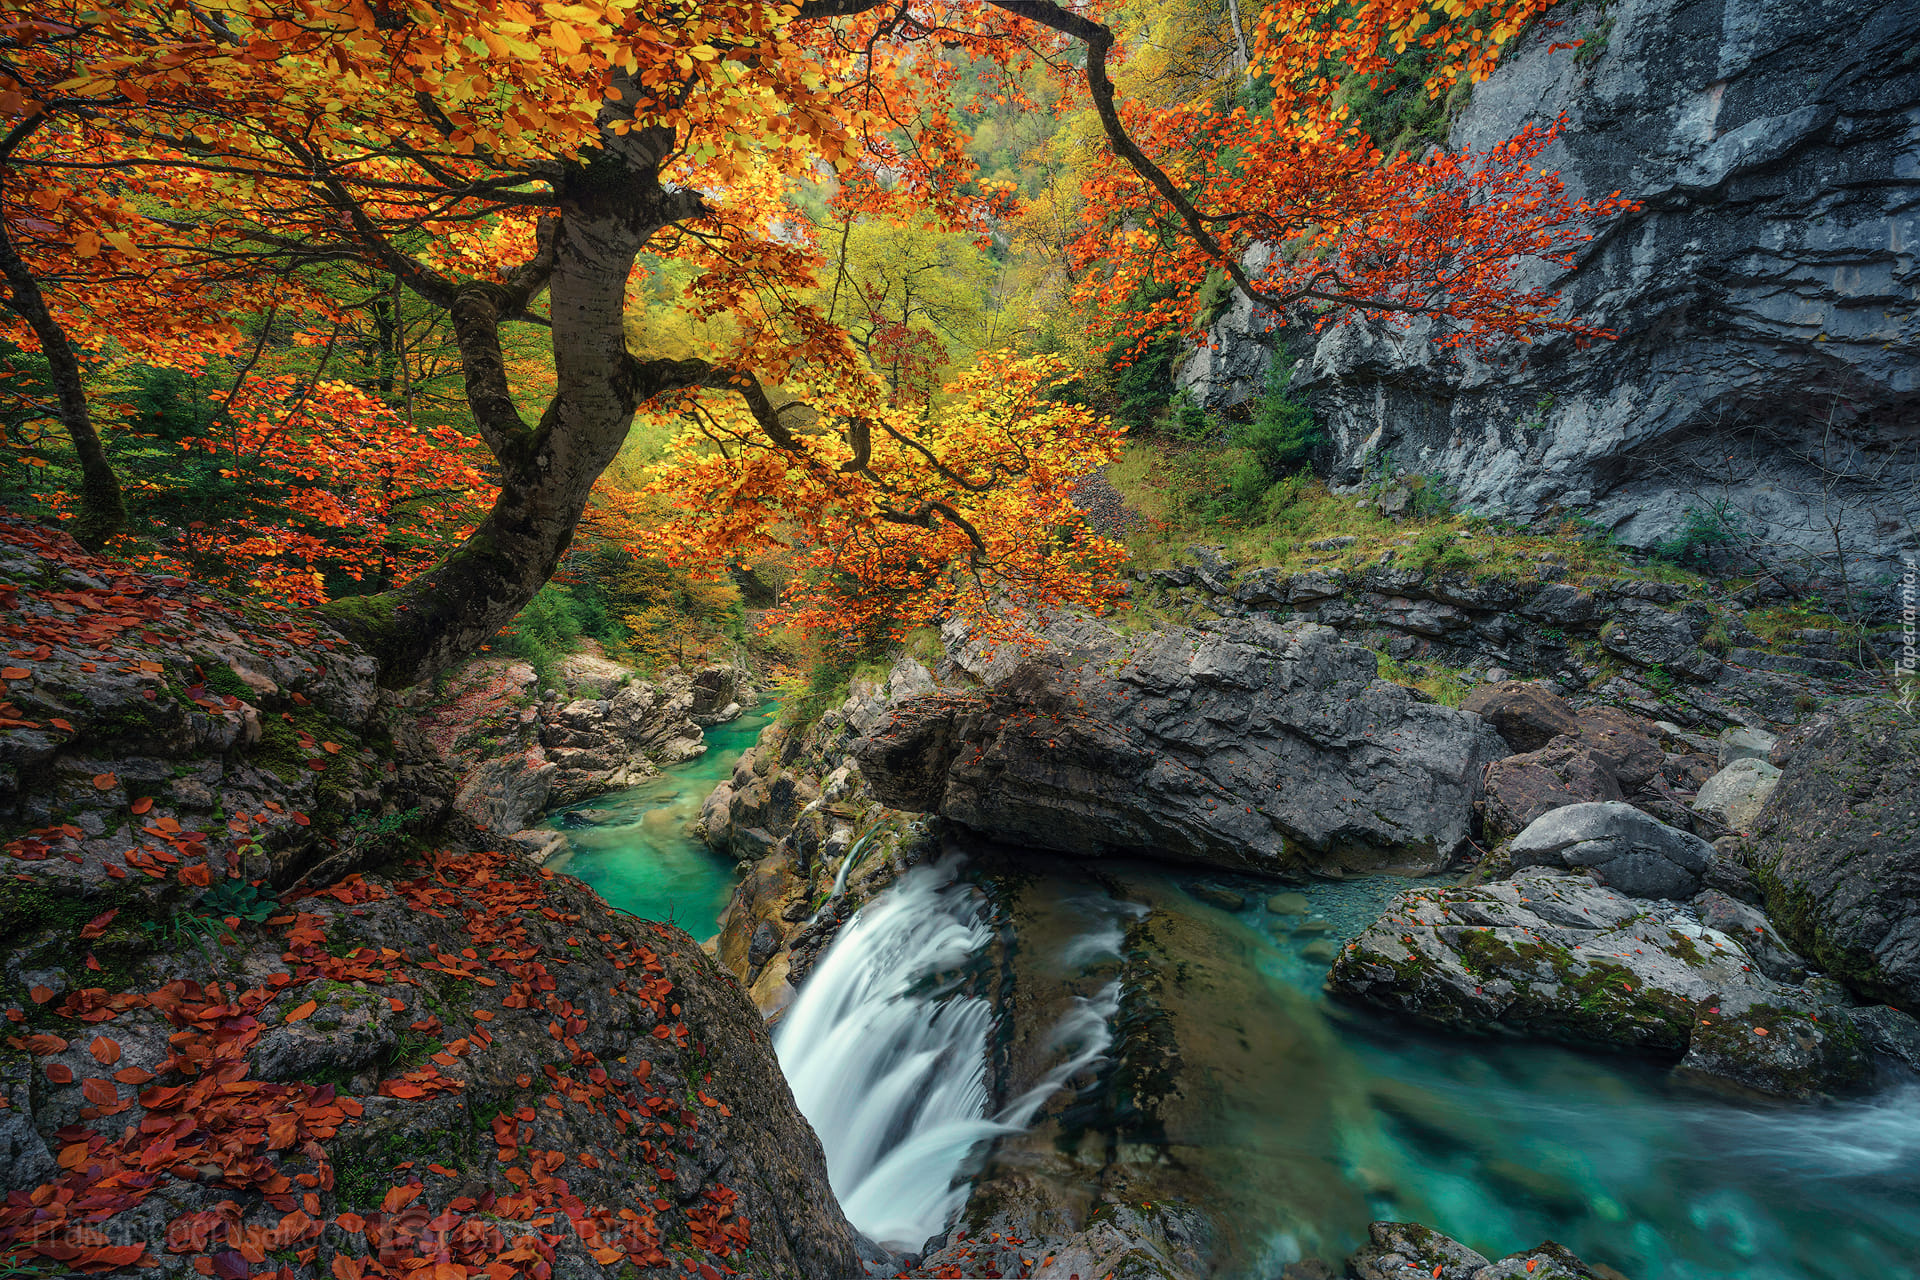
164 166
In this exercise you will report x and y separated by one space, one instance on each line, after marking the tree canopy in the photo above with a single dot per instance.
528 196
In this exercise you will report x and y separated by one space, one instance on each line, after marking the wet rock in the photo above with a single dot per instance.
1214 896
1891 1033
1250 744
1552 955
1757 937
1736 794
1398 1250
1527 715
1289 904
1837 851
716 817
1626 849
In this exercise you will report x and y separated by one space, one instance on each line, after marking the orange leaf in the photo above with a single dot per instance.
106 1052
331 748
399 1198
100 1093
105 781
15 673
98 925
133 1075
40 995
65 726
197 874
301 1011
141 805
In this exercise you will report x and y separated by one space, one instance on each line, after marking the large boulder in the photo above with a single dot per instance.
1554 955
1736 794
1251 744
1625 849
1520 789
1525 714
1837 852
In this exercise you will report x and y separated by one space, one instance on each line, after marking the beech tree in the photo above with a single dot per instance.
165 166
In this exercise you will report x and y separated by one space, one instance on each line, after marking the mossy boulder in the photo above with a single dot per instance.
1837 852
1559 957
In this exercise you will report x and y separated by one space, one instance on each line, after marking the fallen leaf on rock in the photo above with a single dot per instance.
105 781
301 1011
105 1051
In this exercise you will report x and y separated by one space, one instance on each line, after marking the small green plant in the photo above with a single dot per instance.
1282 431
1188 421
235 897
1659 680
1701 530
1593 42
1537 420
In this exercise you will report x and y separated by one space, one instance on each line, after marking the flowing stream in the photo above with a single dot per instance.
632 846
970 1022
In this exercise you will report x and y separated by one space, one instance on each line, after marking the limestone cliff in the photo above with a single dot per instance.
1764 298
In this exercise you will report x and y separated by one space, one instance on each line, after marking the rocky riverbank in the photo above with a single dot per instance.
272 1004
521 749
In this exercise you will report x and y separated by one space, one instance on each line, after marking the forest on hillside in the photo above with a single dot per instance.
285 311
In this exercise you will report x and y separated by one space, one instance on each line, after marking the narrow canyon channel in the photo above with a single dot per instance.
1000 1022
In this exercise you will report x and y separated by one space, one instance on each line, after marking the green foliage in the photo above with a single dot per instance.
1718 525
1188 421
1281 432
549 628
1439 552
235 897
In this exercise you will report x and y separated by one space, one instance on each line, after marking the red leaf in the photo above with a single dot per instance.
106 1052
105 781
98 925
141 805
59 1073
301 1011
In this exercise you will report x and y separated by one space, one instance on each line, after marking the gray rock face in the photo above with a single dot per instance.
1626 849
1763 297
1837 851
1399 1249
1553 955
1248 744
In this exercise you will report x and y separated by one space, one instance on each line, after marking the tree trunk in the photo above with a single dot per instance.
415 631
103 512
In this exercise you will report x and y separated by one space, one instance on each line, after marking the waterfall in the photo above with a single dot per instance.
847 862
886 1051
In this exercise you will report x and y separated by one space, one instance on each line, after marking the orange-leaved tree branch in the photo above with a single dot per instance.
512 163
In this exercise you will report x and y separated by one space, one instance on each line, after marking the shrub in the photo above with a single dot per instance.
1718 525
1282 431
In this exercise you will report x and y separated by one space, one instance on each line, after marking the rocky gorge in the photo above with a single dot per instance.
1759 384
1623 886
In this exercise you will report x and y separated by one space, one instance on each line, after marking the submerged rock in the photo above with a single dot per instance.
1555 955
1251 744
